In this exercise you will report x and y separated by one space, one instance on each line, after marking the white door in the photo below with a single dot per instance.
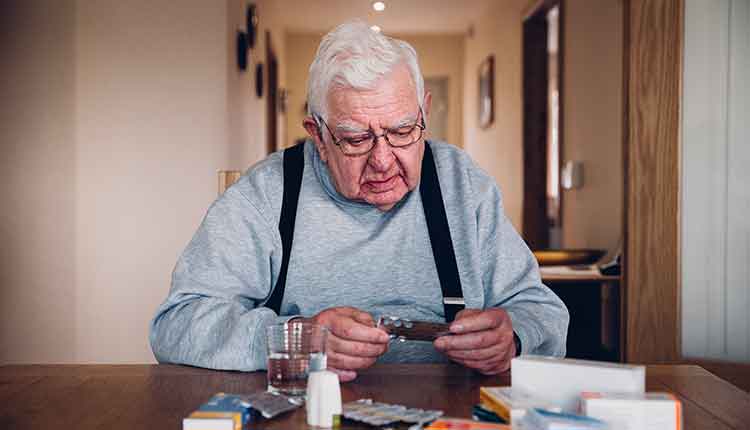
716 181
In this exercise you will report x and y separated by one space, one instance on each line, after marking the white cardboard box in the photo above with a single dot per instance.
650 411
511 403
561 381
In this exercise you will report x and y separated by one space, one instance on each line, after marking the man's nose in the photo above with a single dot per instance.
381 157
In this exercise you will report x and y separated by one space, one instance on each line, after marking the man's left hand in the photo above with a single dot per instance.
481 340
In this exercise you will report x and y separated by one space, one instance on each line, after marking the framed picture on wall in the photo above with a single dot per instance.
487 92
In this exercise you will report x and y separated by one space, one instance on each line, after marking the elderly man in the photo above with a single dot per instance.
337 231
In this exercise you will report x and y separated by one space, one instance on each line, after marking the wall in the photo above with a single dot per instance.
151 131
300 51
37 181
432 49
592 115
443 56
115 118
715 178
498 149
247 113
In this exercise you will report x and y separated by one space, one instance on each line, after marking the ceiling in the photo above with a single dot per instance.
399 16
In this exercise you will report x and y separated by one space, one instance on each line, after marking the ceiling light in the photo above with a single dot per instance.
379 6
375 28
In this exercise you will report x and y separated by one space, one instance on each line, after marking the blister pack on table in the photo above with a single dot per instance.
380 414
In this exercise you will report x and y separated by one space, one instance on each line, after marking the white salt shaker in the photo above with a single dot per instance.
323 398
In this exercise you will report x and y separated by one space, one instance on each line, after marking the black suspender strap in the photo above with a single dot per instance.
440 237
294 165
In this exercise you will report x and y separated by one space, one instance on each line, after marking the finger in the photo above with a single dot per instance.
494 368
466 312
357 314
476 354
477 321
349 329
363 318
344 375
491 367
476 340
348 362
357 349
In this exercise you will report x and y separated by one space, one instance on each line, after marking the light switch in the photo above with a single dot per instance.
571 176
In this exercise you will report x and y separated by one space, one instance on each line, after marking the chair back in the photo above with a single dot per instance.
227 178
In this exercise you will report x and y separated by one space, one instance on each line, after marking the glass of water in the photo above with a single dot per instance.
294 349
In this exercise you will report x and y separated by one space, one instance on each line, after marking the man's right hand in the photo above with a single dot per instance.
353 341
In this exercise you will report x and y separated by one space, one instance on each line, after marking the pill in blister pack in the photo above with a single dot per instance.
380 414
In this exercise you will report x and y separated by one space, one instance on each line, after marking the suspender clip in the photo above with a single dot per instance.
454 301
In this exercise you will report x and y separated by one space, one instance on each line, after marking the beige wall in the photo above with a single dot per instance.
247 112
592 215
498 149
439 56
37 181
116 118
443 56
151 130
300 51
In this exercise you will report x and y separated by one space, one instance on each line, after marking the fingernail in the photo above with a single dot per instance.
457 328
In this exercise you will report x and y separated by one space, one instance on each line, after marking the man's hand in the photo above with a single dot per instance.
481 340
353 341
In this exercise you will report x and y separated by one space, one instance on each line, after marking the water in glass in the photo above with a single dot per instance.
294 349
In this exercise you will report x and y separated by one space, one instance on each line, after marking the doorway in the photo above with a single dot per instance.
439 114
542 126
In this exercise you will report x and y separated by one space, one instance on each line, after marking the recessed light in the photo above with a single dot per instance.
379 6
375 28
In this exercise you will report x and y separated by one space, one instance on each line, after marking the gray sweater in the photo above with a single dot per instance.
346 253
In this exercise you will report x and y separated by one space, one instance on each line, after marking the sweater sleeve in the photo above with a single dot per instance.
511 280
211 317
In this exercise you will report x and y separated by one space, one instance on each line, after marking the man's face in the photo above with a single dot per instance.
385 175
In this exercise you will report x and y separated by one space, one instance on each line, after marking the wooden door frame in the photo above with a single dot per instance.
535 7
652 90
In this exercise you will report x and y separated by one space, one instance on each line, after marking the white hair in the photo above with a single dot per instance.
354 56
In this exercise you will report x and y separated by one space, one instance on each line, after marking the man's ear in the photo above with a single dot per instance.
311 126
427 105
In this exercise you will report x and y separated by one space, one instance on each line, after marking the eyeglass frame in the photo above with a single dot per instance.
421 124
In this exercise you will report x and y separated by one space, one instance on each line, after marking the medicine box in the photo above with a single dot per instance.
561 381
221 412
511 403
649 411
540 419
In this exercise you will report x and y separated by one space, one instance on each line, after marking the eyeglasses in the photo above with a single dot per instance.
363 143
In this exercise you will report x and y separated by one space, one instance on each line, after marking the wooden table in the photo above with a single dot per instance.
158 397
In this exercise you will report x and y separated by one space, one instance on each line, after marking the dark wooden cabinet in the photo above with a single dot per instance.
594 303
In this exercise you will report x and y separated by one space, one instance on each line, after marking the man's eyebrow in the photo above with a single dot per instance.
352 127
405 122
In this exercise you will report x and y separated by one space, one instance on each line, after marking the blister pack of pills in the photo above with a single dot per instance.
380 414
402 329
271 404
